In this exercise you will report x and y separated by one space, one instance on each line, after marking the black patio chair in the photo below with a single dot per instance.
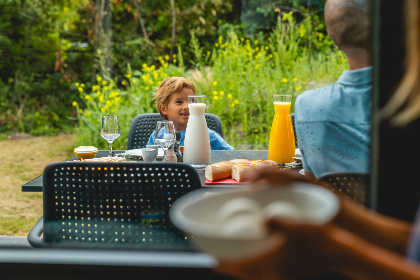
107 205
353 185
144 124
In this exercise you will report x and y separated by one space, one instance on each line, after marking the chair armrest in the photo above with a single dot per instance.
34 236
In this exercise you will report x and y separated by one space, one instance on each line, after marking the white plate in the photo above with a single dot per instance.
138 152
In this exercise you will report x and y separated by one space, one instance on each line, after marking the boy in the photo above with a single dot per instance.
171 100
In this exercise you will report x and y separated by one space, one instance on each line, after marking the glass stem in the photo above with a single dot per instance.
164 155
110 149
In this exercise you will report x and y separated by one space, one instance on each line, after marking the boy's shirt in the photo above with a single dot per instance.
216 141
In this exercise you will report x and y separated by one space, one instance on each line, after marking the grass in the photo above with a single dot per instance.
23 160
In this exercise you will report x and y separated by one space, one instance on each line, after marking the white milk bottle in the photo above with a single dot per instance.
197 151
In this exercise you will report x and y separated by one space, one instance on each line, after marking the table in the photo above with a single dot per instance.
36 184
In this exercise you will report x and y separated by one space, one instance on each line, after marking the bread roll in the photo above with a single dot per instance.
241 160
243 171
246 171
221 170
218 171
265 163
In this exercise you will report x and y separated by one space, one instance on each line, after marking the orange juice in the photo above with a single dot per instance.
282 139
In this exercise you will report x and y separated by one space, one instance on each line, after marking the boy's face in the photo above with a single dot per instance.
177 108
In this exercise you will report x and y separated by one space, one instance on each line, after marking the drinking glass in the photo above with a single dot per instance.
165 136
110 130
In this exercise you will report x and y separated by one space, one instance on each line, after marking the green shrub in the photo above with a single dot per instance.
238 77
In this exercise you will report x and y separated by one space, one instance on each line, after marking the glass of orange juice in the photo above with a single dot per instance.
282 147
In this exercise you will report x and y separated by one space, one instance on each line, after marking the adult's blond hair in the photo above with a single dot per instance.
168 87
404 106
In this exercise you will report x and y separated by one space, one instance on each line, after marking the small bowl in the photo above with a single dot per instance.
199 217
85 152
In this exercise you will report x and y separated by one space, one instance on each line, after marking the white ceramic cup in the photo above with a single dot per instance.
155 147
148 154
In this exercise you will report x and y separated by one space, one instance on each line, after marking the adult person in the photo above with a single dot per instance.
333 122
358 244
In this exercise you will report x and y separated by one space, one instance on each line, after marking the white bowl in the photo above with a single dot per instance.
199 217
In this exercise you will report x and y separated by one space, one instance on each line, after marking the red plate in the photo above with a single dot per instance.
228 181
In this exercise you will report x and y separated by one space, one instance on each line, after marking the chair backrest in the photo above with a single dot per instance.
144 124
352 184
103 203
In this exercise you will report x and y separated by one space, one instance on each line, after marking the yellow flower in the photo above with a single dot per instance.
98 78
328 57
214 92
222 92
256 130
128 76
104 82
229 96
123 83
287 16
102 110
74 103
256 42
80 89
298 88
232 105
101 98
216 45
146 88
82 85
113 94
215 97
236 101
284 80
166 57
87 97
80 111
134 81
294 79
105 88
77 84
215 83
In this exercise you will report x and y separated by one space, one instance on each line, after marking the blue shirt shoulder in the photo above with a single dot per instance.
333 124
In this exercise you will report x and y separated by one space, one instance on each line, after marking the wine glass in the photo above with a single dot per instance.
165 135
110 130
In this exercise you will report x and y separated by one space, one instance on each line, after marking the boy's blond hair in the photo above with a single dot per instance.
167 88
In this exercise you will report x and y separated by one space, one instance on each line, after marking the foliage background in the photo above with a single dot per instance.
64 64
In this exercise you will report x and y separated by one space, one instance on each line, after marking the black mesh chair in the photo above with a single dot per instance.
144 124
352 185
107 205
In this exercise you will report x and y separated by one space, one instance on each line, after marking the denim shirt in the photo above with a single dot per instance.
333 124
413 252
